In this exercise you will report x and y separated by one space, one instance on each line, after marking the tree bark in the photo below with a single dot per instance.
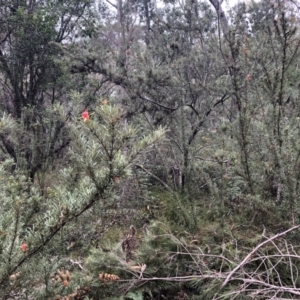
221 15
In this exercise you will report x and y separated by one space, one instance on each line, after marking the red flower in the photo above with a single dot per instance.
24 247
85 115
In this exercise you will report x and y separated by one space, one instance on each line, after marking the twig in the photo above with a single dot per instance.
78 263
155 177
115 6
245 260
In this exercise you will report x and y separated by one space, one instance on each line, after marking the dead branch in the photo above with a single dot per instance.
246 259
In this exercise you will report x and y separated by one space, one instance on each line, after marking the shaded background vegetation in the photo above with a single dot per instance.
183 183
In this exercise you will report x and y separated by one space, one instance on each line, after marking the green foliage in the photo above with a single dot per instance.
222 88
35 75
100 152
135 295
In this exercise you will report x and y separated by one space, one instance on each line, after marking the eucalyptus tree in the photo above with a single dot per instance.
275 74
166 78
34 36
261 52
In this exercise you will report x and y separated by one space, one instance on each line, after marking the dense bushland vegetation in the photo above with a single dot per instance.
149 150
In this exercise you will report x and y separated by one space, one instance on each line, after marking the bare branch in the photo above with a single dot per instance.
246 259
115 6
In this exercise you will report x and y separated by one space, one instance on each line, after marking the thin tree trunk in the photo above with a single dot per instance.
221 15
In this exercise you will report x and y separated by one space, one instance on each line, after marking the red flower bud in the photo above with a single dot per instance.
24 247
85 115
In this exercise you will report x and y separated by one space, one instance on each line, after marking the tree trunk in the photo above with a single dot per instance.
221 15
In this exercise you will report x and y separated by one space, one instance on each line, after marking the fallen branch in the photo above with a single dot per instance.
245 260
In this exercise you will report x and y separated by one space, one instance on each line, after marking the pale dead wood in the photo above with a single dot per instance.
246 259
